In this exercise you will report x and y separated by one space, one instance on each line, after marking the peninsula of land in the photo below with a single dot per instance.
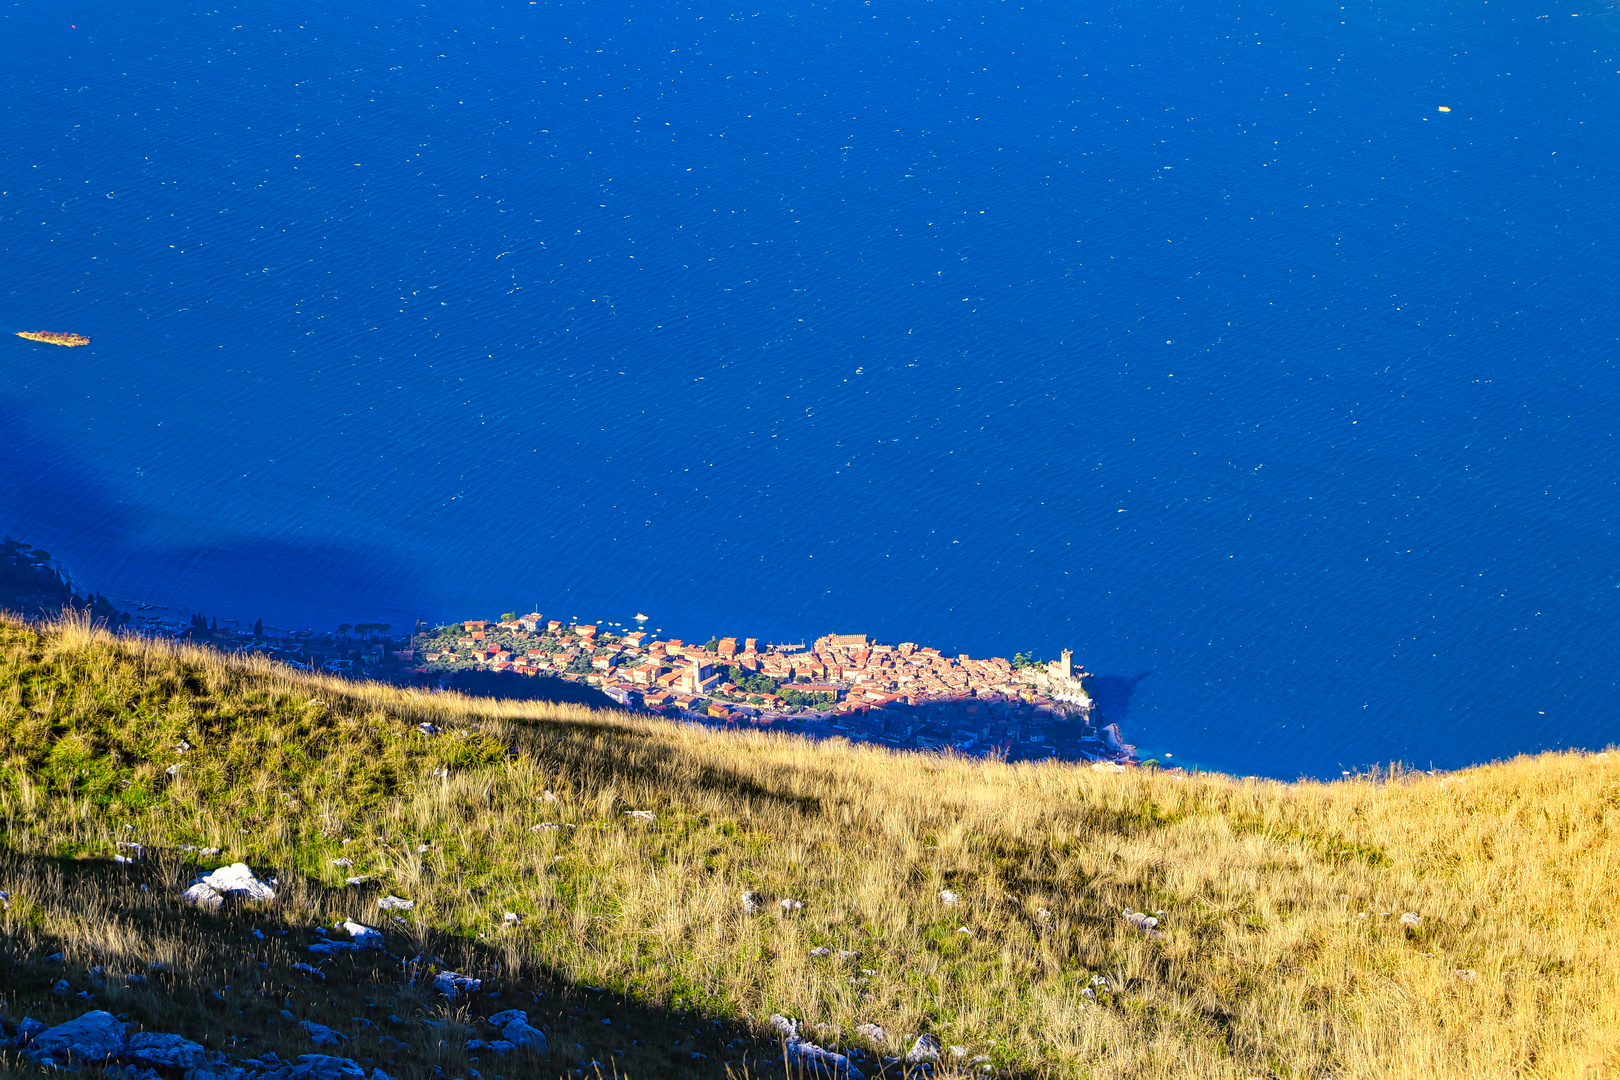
903 695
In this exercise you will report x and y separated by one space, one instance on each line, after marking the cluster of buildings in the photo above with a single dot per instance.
847 685
904 695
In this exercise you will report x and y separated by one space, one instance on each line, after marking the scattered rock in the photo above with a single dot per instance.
641 815
365 937
235 882
926 1048
427 728
1411 918
822 951
1144 922
750 902
394 903
454 986
518 1032
332 948
1465 974
846 954
549 797
174 770
792 905
873 1032
511 918
95 1036
321 1035
949 898
345 861
309 972
808 1053
159 1051
323 1067
61 988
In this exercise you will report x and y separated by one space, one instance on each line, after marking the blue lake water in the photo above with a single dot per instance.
1193 337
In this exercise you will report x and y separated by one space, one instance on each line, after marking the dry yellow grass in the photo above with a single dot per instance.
1283 951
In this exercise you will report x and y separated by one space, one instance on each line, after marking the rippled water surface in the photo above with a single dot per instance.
1194 337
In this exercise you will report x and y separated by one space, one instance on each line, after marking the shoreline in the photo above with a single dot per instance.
905 695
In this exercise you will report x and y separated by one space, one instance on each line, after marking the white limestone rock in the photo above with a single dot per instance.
157 1050
454 986
926 1048
325 1067
95 1036
364 937
516 1032
321 1035
234 882
501 1019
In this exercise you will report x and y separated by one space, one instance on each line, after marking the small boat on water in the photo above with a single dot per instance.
54 338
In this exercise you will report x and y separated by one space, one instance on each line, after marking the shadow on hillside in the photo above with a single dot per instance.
232 982
507 684
618 753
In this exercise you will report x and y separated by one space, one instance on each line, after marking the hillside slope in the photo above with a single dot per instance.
983 903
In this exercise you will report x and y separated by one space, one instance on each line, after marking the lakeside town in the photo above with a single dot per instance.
901 695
